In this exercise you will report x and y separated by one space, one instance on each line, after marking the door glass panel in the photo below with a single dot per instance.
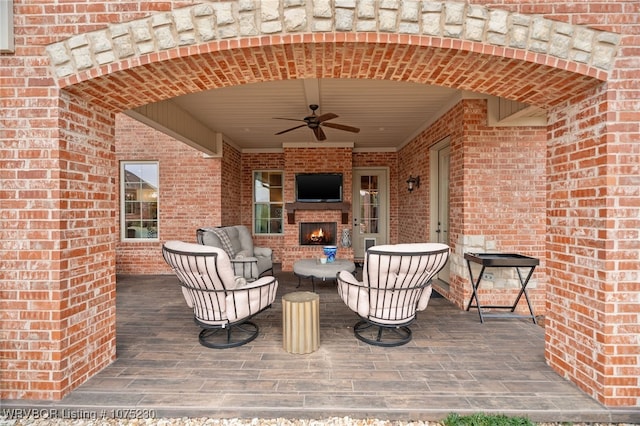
370 213
369 205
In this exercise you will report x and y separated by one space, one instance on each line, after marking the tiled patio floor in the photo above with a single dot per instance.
453 364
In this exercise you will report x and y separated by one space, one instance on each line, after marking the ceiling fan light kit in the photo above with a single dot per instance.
316 122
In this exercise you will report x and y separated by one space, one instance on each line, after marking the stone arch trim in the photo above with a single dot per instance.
234 24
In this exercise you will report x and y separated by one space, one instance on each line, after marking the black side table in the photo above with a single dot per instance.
501 260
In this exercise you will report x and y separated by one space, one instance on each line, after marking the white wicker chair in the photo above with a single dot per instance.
396 285
222 303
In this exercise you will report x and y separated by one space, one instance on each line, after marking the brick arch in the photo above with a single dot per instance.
447 43
390 58
453 44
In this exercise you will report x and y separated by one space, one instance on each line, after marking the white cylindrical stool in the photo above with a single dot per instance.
301 322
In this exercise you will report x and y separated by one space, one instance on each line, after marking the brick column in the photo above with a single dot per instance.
58 303
592 251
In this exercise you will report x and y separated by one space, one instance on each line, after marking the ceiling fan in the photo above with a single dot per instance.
314 122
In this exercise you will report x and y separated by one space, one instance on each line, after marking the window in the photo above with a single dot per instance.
268 204
139 200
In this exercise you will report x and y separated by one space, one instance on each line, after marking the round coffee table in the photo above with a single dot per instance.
312 268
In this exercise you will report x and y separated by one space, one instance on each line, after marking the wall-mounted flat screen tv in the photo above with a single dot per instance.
319 187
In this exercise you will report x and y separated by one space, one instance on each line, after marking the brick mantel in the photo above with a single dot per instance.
291 208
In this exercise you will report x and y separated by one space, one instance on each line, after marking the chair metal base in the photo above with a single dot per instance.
228 337
378 335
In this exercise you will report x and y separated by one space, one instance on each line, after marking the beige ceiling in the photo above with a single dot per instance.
388 113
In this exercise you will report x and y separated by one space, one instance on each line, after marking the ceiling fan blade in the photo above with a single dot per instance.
290 119
325 117
293 128
342 127
319 134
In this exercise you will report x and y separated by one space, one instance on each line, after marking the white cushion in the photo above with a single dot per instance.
202 273
399 283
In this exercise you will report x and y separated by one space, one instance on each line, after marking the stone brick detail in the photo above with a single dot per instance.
228 20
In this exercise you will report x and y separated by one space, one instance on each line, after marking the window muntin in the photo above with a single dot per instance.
140 196
268 202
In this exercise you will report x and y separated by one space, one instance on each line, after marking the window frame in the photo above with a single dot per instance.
255 203
124 205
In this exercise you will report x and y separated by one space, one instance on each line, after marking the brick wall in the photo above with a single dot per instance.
413 159
495 147
504 200
85 297
250 163
191 199
190 193
396 185
231 181
276 161
497 198
61 153
415 207
310 160
593 244
57 291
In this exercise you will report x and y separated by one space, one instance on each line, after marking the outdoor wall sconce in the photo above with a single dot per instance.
413 182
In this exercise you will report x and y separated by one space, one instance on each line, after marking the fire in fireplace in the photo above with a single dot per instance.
318 233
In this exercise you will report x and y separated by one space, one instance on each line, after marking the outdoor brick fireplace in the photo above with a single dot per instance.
318 233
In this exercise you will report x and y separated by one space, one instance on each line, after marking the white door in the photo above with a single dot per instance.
370 209
440 165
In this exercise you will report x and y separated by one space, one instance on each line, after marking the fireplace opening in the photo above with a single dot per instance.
318 233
